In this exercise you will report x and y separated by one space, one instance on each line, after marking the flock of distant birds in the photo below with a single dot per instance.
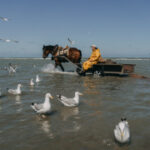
7 40
15 41
121 131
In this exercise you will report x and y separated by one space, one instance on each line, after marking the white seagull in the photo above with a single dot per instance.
31 82
4 19
12 69
15 91
70 102
37 78
122 132
45 107
70 41
7 40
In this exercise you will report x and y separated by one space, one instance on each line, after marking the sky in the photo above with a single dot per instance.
120 28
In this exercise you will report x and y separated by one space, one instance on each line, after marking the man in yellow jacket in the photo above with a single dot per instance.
94 58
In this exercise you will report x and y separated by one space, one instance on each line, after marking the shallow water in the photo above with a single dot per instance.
86 127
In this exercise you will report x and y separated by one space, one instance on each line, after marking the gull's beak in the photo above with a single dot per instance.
51 97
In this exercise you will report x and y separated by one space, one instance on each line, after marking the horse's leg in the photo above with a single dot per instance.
61 66
56 65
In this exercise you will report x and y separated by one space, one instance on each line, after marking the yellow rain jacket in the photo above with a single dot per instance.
94 59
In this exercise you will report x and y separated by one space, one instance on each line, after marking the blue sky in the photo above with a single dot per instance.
120 28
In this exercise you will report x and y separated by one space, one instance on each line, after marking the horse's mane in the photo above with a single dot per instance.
49 46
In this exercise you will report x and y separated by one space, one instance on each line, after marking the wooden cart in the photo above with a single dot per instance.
105 69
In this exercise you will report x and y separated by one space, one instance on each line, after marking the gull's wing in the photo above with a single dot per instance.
12 91
43 110
12 69
126 133
117 133
4 19
67 101
37 107
71 42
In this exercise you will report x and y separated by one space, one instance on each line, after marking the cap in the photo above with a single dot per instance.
93 45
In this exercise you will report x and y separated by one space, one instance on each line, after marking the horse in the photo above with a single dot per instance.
73 54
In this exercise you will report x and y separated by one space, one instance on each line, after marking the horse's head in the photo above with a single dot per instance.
48 49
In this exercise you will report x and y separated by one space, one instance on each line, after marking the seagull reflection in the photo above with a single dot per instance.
0 107
76 126
90 86
69 112
73 127
18 99
46 127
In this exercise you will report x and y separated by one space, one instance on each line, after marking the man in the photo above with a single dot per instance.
94 58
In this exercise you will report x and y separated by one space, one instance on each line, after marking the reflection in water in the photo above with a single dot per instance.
90 86
31 88
0 106
74 127
18 99
45 126
69 112
19 109
107 142
18 102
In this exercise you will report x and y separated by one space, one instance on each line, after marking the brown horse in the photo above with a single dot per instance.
74 55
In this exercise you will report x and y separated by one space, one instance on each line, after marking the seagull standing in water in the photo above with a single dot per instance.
31 82
12 69
70 102
45 107
122 132
37 79
15 91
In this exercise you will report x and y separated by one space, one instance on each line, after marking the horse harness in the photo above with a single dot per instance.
62 51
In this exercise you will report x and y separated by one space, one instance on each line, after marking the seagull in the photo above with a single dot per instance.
31 82
15 91
12 69
45 107
71 42
122 132
4 19
37 78
7 40
70 102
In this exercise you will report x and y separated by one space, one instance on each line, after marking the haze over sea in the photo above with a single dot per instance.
86 127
